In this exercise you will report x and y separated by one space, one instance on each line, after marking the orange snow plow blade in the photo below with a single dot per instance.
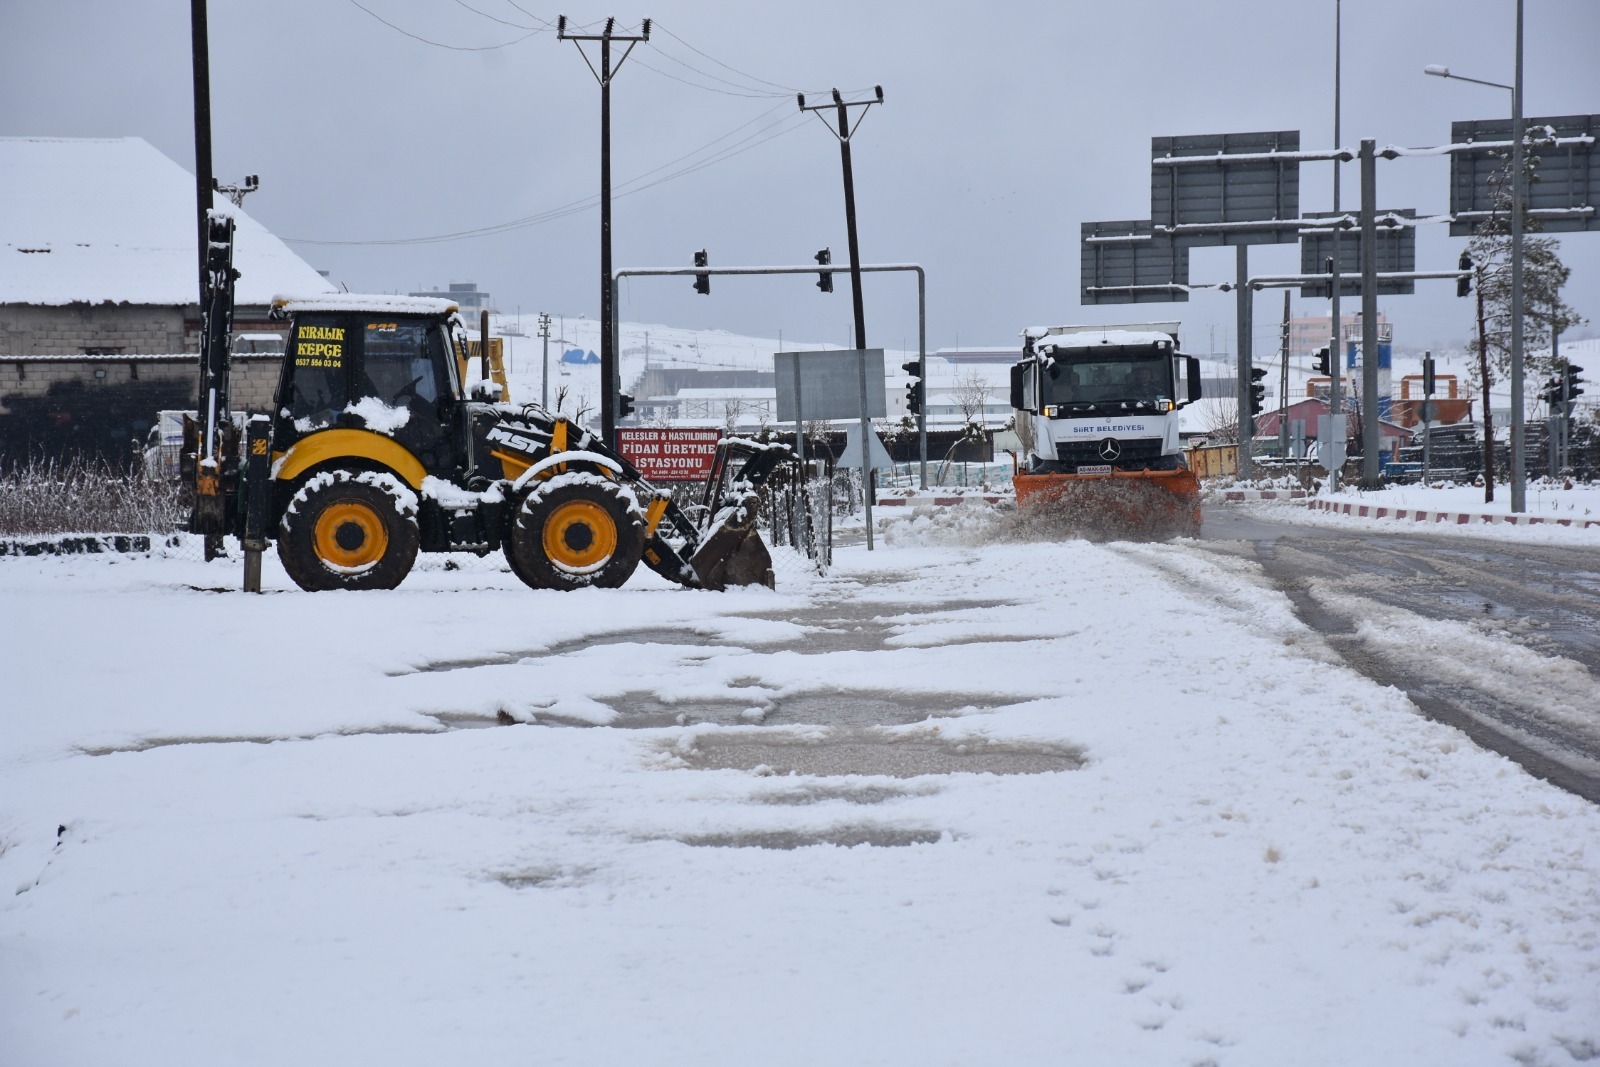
1144 505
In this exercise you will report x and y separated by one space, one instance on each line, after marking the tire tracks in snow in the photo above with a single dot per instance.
1495 640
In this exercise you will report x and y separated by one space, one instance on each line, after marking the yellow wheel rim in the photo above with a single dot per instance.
580 537
350 536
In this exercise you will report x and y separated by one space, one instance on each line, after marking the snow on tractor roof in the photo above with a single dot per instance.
380 303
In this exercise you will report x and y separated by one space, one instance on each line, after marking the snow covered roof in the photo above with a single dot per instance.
93 220
1082 337
378 302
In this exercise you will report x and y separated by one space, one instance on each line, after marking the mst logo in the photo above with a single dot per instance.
512 440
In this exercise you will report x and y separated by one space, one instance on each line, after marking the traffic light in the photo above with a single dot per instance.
825 277
1551 393
624 405
1464 285
1428 378
702 282
1571 381
915 390
1324 364
1258 391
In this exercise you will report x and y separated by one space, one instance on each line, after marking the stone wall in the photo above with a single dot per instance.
98 406
123 329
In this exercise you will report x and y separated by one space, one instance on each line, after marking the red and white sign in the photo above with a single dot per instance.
670 455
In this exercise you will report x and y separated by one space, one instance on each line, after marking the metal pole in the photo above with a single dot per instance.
1283 385
922 360
1336 362
1245 296
1370 421
799 419
1427 419
866 428
544 374
1564 425
1519 478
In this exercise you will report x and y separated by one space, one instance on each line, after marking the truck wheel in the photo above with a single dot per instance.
575 534
349 530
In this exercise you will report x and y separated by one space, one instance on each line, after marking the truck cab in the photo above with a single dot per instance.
1093 399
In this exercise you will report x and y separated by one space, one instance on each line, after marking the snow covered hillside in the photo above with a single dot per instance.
963 801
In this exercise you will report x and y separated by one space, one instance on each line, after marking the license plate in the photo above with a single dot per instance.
1095 468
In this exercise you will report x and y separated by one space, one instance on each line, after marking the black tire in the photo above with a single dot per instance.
349 530
575 534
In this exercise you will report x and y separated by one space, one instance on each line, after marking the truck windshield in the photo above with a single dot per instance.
1137 377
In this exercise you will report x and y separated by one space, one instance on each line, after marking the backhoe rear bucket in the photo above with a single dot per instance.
1152 505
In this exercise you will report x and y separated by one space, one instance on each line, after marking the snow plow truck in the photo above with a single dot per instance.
382 443
1097 413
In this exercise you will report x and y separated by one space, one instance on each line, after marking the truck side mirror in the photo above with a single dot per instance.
485 390
1193 374
1019 384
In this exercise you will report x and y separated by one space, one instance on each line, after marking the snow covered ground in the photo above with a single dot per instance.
257 830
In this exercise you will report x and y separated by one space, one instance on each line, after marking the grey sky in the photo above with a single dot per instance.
1005 125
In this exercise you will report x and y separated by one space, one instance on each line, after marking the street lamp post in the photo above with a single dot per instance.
1519 480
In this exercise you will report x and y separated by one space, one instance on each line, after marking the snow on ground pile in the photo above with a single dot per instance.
1260 858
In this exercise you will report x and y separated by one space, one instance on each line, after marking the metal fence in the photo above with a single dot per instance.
87 508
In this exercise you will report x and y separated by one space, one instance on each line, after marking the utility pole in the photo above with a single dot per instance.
1283 385
608 311
203 181
1336 421
1519 475
1371 423
1245 327
544 375
844 133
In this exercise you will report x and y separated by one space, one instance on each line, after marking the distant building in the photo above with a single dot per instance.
99 295
1310 333
466 296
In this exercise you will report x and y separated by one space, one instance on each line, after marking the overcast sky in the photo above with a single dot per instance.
1005 125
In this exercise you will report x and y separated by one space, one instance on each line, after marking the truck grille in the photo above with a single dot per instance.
1136 454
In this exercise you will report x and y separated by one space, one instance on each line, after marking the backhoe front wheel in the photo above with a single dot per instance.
349 530
578 533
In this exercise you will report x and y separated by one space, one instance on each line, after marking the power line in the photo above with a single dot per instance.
786 89
745 144
707 88
441 44
503 22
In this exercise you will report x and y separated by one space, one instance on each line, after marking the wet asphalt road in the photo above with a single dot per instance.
1516 665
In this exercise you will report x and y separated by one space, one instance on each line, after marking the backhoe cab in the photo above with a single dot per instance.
382 446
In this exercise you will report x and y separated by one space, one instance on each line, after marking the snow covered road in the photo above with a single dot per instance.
1498 638
746 826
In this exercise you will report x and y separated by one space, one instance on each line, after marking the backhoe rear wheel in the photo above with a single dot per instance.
575 534
349 530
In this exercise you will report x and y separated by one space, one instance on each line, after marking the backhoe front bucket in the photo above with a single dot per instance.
1152 505
734 554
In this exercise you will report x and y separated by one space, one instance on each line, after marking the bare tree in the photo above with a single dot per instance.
971 395
732 408
1220 417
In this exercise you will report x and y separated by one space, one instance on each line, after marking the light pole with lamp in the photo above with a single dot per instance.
1519 481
